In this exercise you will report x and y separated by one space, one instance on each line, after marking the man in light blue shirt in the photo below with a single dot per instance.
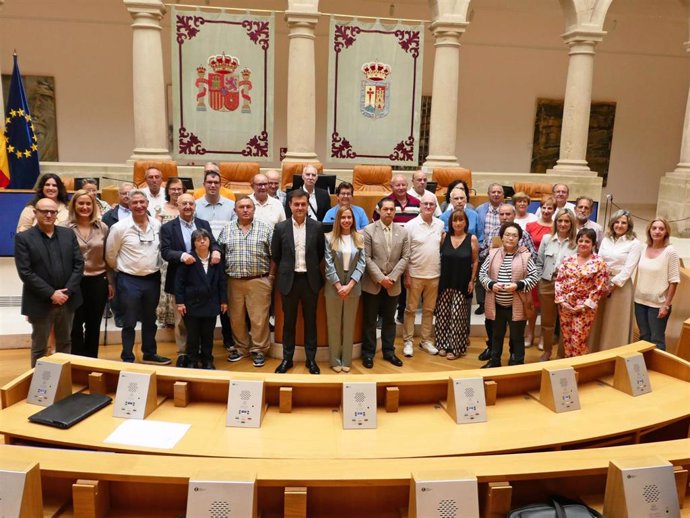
214 208
458 200
344 193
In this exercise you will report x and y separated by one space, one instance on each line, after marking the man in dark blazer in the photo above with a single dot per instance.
176 248
297 249
120 211
318 200
50 265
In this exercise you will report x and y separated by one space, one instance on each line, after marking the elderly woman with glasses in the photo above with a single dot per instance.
508 275
621 250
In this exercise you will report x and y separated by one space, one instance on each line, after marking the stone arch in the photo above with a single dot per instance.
449 10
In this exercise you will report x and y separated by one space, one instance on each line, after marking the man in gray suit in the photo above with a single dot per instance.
387 250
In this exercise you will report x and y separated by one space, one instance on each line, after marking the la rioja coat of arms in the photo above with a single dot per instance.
374 96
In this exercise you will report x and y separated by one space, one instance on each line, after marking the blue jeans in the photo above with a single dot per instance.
652 328
139 297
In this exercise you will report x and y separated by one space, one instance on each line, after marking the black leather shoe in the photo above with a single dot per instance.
368 362
208 365
486 354
479 310
490 364
394 360
284 366
181 361
313 368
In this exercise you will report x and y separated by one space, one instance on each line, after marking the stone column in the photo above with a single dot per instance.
148 82
578 102
674 187
444 100
301 87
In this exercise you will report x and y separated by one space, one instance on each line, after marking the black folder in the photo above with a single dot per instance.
69 411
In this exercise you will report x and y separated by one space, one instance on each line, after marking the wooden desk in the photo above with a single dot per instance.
421 428
141 485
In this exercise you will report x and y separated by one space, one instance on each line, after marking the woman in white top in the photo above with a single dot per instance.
344 257
553 249
621 250
521 201
658 275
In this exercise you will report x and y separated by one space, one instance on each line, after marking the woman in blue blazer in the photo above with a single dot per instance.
344 256
200 295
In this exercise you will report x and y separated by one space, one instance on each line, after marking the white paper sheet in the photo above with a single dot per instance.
148 434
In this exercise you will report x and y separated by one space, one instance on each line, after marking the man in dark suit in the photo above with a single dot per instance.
50 265
176 248
297 248
318 200
120 211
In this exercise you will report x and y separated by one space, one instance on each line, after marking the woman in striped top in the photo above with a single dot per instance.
508 275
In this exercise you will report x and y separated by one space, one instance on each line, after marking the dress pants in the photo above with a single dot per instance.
199 338
503 320
301 293
58 318
226 328
139 296
427 290
375 305
652 328
86 327
340 318
252 297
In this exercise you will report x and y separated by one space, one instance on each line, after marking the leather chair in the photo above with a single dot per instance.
444 176
372 178
168 169
237 176
289 169
535 190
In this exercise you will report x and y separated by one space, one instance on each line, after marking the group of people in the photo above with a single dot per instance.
160 254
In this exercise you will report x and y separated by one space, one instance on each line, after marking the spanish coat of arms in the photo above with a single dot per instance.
224 85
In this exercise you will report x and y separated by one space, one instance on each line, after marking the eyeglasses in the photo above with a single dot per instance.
47 212
145 238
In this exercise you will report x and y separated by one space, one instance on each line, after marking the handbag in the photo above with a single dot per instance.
528 305
558 508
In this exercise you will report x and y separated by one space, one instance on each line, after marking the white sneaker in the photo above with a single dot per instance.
428 347
408 349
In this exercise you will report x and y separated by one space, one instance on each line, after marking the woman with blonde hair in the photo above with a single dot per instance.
96 284
658 276
521 201
553 249
621 250
345 261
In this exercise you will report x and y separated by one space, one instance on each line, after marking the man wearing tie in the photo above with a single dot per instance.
297 248
176 249
387 252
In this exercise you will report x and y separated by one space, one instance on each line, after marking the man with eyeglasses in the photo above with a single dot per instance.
121 210
583 210
343 194
133 250
176 249
422 274
560 191
274 191
218 211
266 208
51 266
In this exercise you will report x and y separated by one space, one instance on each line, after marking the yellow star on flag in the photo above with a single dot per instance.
34 147
27 153
13 113
18 153
7 120
10 149
27 118
20 112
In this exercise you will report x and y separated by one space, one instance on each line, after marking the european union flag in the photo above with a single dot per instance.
22 144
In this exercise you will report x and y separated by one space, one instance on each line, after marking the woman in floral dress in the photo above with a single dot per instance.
581 282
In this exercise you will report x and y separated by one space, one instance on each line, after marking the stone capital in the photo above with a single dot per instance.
583 36
154 8
447 33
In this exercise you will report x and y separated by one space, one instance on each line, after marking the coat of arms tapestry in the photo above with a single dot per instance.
375 91
222 74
